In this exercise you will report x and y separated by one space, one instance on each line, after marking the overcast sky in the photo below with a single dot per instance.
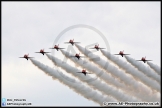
28 27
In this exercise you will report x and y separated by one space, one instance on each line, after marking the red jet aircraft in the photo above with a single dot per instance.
84 72
77 56
144 59
121 53
71 42
56 47
97 47
42 51
26 56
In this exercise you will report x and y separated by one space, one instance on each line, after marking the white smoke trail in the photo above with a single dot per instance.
131 82
96 84
112 69
105 76
99 72
156 68
146 70
131 70
75 85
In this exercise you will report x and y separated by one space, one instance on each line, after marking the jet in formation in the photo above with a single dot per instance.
26 56
96 47
42 51
71 42
77 56
56 47
144 59
121 53
84 72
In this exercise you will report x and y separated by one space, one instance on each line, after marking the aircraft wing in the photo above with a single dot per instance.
42 52
148 60
75 56
117 54
61 48
92 48
66 42
126 54
52 48
89 73
139 60
27 57
79 72
101 48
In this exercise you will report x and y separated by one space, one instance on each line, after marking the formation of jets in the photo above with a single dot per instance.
26 56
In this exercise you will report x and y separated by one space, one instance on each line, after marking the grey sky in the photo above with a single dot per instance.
29 26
